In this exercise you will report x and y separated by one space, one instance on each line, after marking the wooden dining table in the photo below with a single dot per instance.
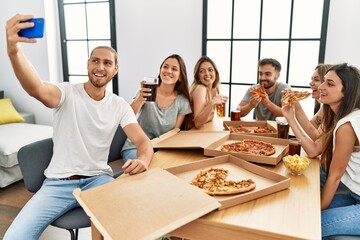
293 213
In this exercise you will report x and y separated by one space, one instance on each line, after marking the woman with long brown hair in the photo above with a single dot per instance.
205 91
170 107
339 149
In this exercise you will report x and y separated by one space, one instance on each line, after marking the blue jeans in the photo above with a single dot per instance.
343 215
52 200
129 154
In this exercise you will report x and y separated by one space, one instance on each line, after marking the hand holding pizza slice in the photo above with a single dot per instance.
292 96
260 91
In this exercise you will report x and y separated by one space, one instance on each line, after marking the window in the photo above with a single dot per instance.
85 24
237 33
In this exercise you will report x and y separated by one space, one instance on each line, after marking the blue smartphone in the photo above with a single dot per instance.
35 32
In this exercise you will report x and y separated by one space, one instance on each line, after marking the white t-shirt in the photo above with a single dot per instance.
351 177
83 131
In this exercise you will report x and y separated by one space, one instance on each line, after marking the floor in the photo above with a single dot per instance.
14 197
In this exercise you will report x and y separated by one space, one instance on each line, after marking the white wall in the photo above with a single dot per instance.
36 53
343 38
147 32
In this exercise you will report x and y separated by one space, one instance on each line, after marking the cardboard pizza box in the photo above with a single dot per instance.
187 139
281 148
161 138
144 206
252 125
267 182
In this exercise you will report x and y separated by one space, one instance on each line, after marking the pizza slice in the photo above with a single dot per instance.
260 91
292 96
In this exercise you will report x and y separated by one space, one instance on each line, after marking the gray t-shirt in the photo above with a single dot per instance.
156 121
261 112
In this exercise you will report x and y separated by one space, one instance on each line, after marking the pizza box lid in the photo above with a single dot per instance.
252 125
142 206
281 148
188 139
267 182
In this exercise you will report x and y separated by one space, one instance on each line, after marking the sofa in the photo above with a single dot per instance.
16 130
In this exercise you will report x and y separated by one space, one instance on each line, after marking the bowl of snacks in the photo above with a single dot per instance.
296 164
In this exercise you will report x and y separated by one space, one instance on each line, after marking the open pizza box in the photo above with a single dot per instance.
144 206
267 182
252 125
156 202
211 142
176 139
281 148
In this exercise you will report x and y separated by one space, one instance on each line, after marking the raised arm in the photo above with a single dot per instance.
47 93
246 107
275 109
203 110
139 99
312 148
305 124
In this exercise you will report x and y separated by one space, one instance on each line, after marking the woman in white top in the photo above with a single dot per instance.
339 149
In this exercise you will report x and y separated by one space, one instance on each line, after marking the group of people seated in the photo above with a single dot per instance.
86 117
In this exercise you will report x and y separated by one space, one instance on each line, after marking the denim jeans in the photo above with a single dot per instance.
129 154
343 215
52 200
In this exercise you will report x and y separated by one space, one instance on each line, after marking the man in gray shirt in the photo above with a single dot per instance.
268 107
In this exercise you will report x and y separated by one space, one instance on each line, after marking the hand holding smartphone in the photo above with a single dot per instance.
34 32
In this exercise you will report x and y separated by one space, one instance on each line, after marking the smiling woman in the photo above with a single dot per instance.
205 93
340 93
170 107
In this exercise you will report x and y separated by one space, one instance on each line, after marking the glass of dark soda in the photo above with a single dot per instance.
151 83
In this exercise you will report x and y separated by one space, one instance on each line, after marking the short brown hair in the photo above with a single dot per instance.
275 63
108 48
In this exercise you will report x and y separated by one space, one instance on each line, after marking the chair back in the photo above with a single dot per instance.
117 144
33 159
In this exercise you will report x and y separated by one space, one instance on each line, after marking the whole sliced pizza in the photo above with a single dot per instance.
249 146
213 181
291 96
